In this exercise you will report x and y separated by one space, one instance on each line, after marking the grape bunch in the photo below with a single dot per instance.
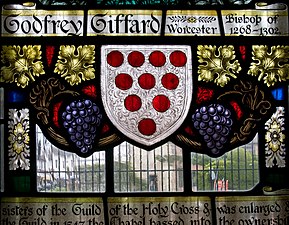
214 124
81 118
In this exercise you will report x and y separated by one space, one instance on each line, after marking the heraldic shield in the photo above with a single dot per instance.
146 89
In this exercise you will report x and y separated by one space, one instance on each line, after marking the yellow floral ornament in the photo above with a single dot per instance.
270 66
23 64
76 66
19 141
217 65
19 137
275 139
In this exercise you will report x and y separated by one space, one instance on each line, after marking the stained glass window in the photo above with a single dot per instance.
116 97
147 96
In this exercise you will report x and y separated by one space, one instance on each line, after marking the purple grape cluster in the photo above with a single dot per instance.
214 124
81 119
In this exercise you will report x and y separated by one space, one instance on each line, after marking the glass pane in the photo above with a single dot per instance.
1 157
278 93
109 2
15 96
61 171
145 2
237 170
19 184
137 170
219 2
1 103
63 2
1 140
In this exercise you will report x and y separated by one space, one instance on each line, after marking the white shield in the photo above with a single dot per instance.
146 90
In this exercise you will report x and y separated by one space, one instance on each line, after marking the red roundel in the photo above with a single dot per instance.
147 127
132 103
123 81
170 81
115 58
136 58
146 81
178 58
157 58
161 103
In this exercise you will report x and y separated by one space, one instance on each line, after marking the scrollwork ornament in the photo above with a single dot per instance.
258 108
41 96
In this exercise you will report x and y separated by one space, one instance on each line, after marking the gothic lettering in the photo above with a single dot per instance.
234 18
124 23
41 25
91 210
204 29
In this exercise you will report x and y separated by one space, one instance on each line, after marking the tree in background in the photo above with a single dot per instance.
239 168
